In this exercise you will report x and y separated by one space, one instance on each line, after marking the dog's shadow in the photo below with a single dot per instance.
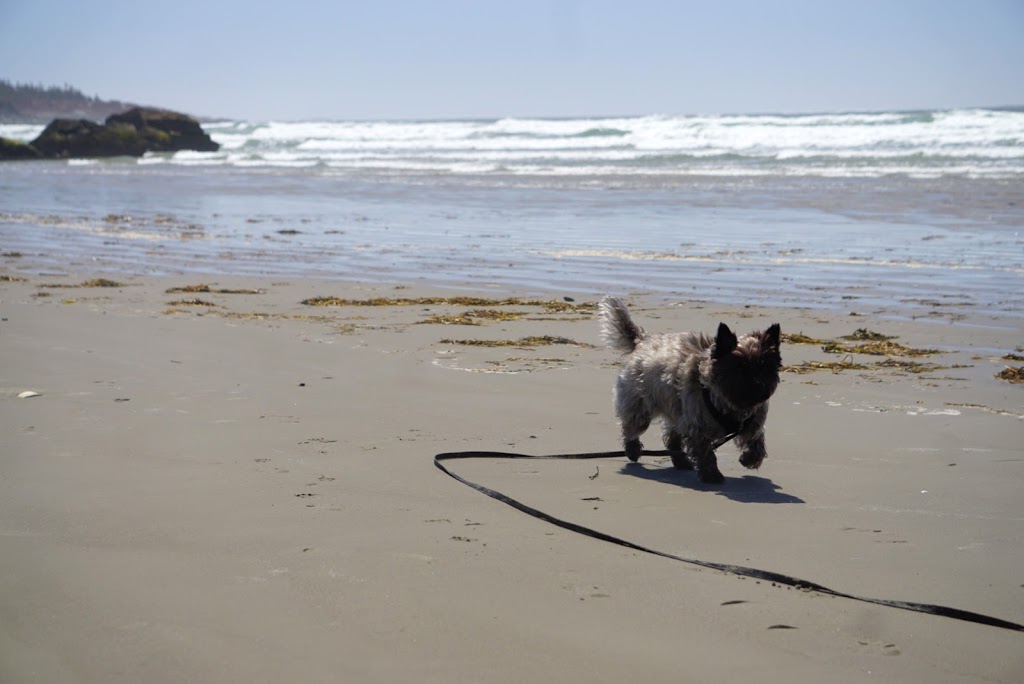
745 489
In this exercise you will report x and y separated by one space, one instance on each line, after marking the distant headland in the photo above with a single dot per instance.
37 104
72 132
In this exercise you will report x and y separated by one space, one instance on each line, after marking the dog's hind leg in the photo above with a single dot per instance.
634 421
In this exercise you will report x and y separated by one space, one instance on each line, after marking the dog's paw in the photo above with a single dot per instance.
634 450
712 476
680 461
751 459
673 441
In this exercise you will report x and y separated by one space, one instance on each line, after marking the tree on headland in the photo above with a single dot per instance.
31 103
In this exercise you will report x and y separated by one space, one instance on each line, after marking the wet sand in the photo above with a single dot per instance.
237 486
838 244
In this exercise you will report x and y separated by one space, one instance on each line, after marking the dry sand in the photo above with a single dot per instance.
245 493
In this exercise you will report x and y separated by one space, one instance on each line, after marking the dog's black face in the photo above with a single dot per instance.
746 370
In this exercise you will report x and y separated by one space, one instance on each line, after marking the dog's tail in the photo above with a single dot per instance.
617 329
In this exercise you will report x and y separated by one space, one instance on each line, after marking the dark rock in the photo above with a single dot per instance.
67 138
164 130
12 149
132 134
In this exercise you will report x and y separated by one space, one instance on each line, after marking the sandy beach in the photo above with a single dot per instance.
230 485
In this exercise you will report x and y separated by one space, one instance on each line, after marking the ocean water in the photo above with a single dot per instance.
847 211
976 143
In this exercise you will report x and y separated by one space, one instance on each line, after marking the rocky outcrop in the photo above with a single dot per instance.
76 138
164 130
12 149
131 133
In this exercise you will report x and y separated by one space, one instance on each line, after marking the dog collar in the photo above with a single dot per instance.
729 423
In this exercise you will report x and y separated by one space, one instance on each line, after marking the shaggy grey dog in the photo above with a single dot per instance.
704 389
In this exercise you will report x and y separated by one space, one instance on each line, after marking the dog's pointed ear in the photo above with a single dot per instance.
725 341
772 336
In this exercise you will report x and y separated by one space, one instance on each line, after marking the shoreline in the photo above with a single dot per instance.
929 248
238 486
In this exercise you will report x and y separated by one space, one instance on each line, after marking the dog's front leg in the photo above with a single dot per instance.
753 453
706 462
673 441
752 448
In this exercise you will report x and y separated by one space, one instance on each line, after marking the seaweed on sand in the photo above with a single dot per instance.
473 317
910 366
865 335
534 341
1012 375
817 366
548 305
877 348
871 343
202 287
800 338
195 301
95 282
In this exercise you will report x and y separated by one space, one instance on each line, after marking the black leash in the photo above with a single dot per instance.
767 575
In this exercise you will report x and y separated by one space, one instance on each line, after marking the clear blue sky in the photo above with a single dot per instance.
463 58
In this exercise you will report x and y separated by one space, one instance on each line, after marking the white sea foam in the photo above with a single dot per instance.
20 132
973 143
